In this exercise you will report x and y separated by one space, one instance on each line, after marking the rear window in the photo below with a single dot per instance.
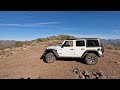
92 43
80 43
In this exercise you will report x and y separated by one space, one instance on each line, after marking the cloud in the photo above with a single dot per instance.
33 24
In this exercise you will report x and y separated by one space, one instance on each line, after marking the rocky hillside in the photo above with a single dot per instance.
7 43
12 43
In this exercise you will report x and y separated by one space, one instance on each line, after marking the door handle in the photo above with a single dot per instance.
82 48
71 49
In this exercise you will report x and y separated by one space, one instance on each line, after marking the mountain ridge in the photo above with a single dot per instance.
10 43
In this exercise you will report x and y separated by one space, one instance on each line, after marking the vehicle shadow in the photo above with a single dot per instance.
72 59
69 59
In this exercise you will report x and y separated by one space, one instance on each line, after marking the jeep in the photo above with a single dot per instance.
88 48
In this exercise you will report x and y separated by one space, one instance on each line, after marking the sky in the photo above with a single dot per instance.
30 25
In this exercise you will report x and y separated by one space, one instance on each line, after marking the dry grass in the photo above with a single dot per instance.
111 47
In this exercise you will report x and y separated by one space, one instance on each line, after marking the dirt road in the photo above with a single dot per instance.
24 62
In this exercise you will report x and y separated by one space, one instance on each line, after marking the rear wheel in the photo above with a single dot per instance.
50 57
91 59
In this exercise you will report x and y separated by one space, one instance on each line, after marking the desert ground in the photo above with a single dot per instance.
25 63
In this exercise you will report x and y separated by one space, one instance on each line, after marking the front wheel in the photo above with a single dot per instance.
50 57
91 59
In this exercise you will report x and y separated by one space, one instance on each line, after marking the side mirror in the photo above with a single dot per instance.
62 46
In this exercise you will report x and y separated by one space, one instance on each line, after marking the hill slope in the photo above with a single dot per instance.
7 43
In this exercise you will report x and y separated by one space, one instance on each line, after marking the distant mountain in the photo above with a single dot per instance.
111 41
7 43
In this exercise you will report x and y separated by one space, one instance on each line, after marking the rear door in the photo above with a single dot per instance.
80 47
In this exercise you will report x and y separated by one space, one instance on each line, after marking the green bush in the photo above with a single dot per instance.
41 39
27 42
19 44
112 47
117 47
63 37
3 52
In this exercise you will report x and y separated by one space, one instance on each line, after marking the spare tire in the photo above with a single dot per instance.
102 48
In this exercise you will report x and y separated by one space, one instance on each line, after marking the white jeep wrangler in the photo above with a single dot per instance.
88 48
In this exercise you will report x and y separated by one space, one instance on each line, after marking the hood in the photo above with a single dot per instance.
53 47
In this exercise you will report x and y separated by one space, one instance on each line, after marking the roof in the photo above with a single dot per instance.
82 38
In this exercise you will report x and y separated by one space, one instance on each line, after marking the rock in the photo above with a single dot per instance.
97 76
81 76
76 71
94 73
87 77
100 75
103 77
117 62
92 76
39 77
86 73
28 78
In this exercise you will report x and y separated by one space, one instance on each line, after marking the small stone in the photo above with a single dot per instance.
117 62
94 73
86 73
28 78
76 71
92 76
39 78
97 76
103 77
87 77
81 76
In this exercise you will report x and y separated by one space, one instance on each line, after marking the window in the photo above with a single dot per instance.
80 43
68 44
92 43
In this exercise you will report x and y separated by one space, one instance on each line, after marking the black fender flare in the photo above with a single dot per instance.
49 50
90 51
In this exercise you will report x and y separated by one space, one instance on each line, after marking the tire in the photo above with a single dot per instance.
91 59
50 57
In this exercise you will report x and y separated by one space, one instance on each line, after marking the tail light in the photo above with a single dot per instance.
98 49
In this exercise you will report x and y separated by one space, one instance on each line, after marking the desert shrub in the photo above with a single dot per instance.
112 47
19 44
3 52
62 37
27 43
33 40
42 39
2 48
5 47
117 47
108 46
